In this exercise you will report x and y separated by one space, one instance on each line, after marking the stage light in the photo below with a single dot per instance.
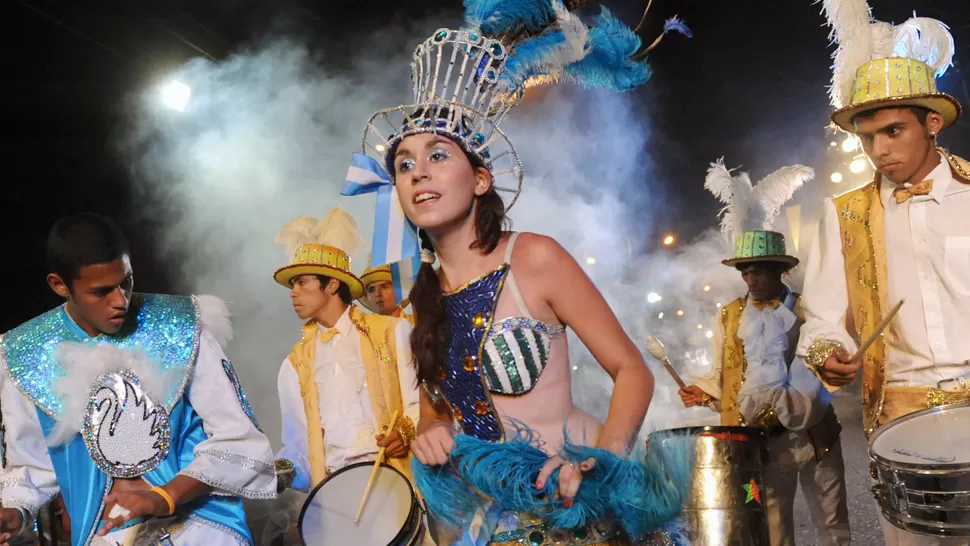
850 144
719 306
836 178
575 368
707 288
380 148
709 334
833 144
653 297
669 240
857 165
175 95
661 315
700 326
591 260
680 312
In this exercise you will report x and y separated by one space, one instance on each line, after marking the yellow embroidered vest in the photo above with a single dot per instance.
378 350
862 232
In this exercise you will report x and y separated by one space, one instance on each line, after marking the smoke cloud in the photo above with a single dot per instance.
268 134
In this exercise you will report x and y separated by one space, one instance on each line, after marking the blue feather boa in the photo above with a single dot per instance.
643 494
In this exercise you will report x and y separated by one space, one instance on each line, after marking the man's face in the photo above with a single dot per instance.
309 296
897 143
380 295
98 299
764 281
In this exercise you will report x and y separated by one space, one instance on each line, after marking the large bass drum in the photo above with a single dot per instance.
392 517
726 503
920 466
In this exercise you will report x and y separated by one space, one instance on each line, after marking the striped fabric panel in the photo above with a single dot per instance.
514 359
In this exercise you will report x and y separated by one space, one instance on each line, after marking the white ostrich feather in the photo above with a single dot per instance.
337 229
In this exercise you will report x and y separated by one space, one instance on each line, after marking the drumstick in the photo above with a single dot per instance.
656 350
373 473
875 333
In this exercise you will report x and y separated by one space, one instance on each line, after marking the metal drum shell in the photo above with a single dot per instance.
936 496
725 460
410 534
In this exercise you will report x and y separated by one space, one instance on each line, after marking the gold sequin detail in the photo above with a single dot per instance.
469 363
936 397
457 413
405 427
478 321
820 350
481 408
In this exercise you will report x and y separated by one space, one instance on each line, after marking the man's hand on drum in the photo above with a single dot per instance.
134 504
837 370
434 443
691 396
11 521
570 476
394 444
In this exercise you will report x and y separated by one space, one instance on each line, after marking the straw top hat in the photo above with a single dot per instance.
377 274
881 65
750 211
321 248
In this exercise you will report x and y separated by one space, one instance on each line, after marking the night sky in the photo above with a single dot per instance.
750 85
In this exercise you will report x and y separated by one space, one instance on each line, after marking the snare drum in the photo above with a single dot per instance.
392 517
920 464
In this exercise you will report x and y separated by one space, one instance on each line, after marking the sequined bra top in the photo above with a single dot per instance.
485 355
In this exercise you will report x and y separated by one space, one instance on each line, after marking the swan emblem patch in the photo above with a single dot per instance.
126 431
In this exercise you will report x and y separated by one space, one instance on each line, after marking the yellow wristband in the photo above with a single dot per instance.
168 499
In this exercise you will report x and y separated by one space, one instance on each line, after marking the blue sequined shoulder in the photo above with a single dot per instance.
166 327
470 311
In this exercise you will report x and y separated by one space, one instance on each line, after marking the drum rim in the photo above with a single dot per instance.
414 497
753 431
915 468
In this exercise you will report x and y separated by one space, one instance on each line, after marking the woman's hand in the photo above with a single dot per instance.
570 476
434 443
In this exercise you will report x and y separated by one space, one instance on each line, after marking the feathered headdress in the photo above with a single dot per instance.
750 206
465 81
879 64
321 248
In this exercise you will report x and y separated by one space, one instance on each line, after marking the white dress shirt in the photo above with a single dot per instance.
928 265
346 412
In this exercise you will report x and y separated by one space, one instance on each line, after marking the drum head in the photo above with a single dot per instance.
936 436
327 518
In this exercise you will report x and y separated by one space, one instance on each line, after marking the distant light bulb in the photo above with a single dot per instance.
575 368
850 144
380 148
591 260
833 144
700 326
709 334
661 315
175 95
669 240
653 297
680 312
857 165
836 178
707 288
719 306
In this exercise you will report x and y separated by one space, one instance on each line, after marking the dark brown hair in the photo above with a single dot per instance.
920 112
429 339
343 290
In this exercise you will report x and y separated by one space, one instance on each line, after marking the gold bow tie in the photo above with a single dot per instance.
903 194
327 335
770 304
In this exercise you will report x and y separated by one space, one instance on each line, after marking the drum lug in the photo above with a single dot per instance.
899 497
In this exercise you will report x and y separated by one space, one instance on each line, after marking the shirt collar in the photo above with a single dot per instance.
343 325
941 177
787 297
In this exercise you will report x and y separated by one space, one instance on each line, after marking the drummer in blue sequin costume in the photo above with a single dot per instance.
506 456
127 405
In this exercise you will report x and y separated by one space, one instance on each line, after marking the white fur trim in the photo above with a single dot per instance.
214 314
83 363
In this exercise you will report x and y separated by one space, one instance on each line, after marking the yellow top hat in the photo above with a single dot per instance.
880 65
376 274
321 248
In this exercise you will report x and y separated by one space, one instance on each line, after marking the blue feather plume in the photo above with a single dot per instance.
677 24
607 64
531 54
497 17
643 494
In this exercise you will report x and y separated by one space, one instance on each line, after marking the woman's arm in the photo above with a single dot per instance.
577 303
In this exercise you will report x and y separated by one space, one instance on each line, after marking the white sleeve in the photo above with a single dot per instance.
236 458
296 446
410 397
826 298
711 382
27 479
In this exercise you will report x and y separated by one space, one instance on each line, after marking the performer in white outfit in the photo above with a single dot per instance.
351 370
904 236
754 348
127 405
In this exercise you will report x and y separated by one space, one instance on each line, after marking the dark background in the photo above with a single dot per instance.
750 83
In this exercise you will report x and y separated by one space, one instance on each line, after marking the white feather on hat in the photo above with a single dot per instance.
750 206
337 229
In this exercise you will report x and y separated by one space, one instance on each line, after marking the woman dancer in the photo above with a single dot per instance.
497 414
